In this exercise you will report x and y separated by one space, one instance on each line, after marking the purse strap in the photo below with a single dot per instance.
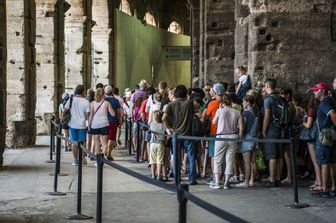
98 108
318 125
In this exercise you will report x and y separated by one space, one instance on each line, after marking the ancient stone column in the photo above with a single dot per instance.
3 76
100 43
45 58
21 81
87 41
74 19
195 42
293 41
219 40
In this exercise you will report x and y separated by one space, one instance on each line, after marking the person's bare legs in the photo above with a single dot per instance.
317 168
247 165
66 135
287 156
273 169
333 176
325 176
205 162
110 146
253 168
104 142
74 151
96 144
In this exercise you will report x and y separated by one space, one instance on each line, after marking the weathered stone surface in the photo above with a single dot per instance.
74 19
100 43
3 76
45 84
289 40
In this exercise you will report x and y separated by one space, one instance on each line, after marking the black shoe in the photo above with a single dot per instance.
119 142
109 158
333 193
325 194
171 174
277 183
193 182
270 184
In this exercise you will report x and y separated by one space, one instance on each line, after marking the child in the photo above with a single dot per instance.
157 148
250 123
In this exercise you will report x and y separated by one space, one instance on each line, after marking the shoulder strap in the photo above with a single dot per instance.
99 106
71 98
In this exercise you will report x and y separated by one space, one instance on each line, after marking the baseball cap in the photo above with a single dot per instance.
218 89
65 96
320 86
108 90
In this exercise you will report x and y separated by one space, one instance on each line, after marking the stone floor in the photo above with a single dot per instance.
25 179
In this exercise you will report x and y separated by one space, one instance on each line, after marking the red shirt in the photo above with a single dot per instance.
143 109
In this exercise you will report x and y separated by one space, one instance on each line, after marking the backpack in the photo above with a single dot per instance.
198 128
67 114
280 112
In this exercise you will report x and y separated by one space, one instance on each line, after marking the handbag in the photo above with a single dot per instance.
327 136
308 134
66 115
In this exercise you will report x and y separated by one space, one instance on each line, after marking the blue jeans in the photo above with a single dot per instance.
190 149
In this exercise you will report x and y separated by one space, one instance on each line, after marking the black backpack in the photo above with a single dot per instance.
280 112
198 128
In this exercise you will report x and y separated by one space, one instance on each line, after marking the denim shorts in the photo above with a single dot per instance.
78 135
247 146
325 155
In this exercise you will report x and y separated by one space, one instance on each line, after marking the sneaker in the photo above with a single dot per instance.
84 161
226 186
211 182
75 163
241 177
234 179
215 186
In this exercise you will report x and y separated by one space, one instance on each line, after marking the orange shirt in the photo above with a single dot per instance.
211 112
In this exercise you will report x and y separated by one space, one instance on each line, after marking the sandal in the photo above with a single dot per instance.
315 187
286 182
242 185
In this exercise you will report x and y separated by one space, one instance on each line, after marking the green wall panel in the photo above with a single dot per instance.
138 47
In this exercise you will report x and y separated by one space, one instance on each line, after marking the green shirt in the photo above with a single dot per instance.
180 114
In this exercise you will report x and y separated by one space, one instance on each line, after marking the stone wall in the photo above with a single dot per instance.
293 41
100 43
216 50
45 59
74 19
3 76
195 43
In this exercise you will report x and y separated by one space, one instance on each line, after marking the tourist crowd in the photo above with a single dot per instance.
221 110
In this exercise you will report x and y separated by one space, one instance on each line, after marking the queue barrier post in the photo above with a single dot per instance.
296 204
182 202
56 173
176 161
130 137
58 154
99 207
52 138
138 142
79 215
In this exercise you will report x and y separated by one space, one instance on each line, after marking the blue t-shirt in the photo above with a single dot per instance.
115 105
326 105
250 127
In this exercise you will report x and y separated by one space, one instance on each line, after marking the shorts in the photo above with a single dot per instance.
64 126
157 151
211 146
325 155
100 131
148 136
78 135
135 130
247 146
273 150
112 132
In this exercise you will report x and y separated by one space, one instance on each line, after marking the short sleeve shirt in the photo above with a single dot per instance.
243 79
157 128
79 108
143 109
270 103
180 113
115 105
211 112
326 106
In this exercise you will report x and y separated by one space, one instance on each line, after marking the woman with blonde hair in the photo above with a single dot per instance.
98 121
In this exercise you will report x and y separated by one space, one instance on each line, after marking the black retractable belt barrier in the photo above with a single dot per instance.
79 215
296 203
99 207
138 142
182 202
57 168
52 138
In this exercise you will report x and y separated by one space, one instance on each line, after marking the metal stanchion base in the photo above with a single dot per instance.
297 205
78 217
60 174
50 161
55 193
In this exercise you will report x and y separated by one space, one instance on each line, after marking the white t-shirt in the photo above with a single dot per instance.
79 109
128 109
243 78
150 101
100 118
